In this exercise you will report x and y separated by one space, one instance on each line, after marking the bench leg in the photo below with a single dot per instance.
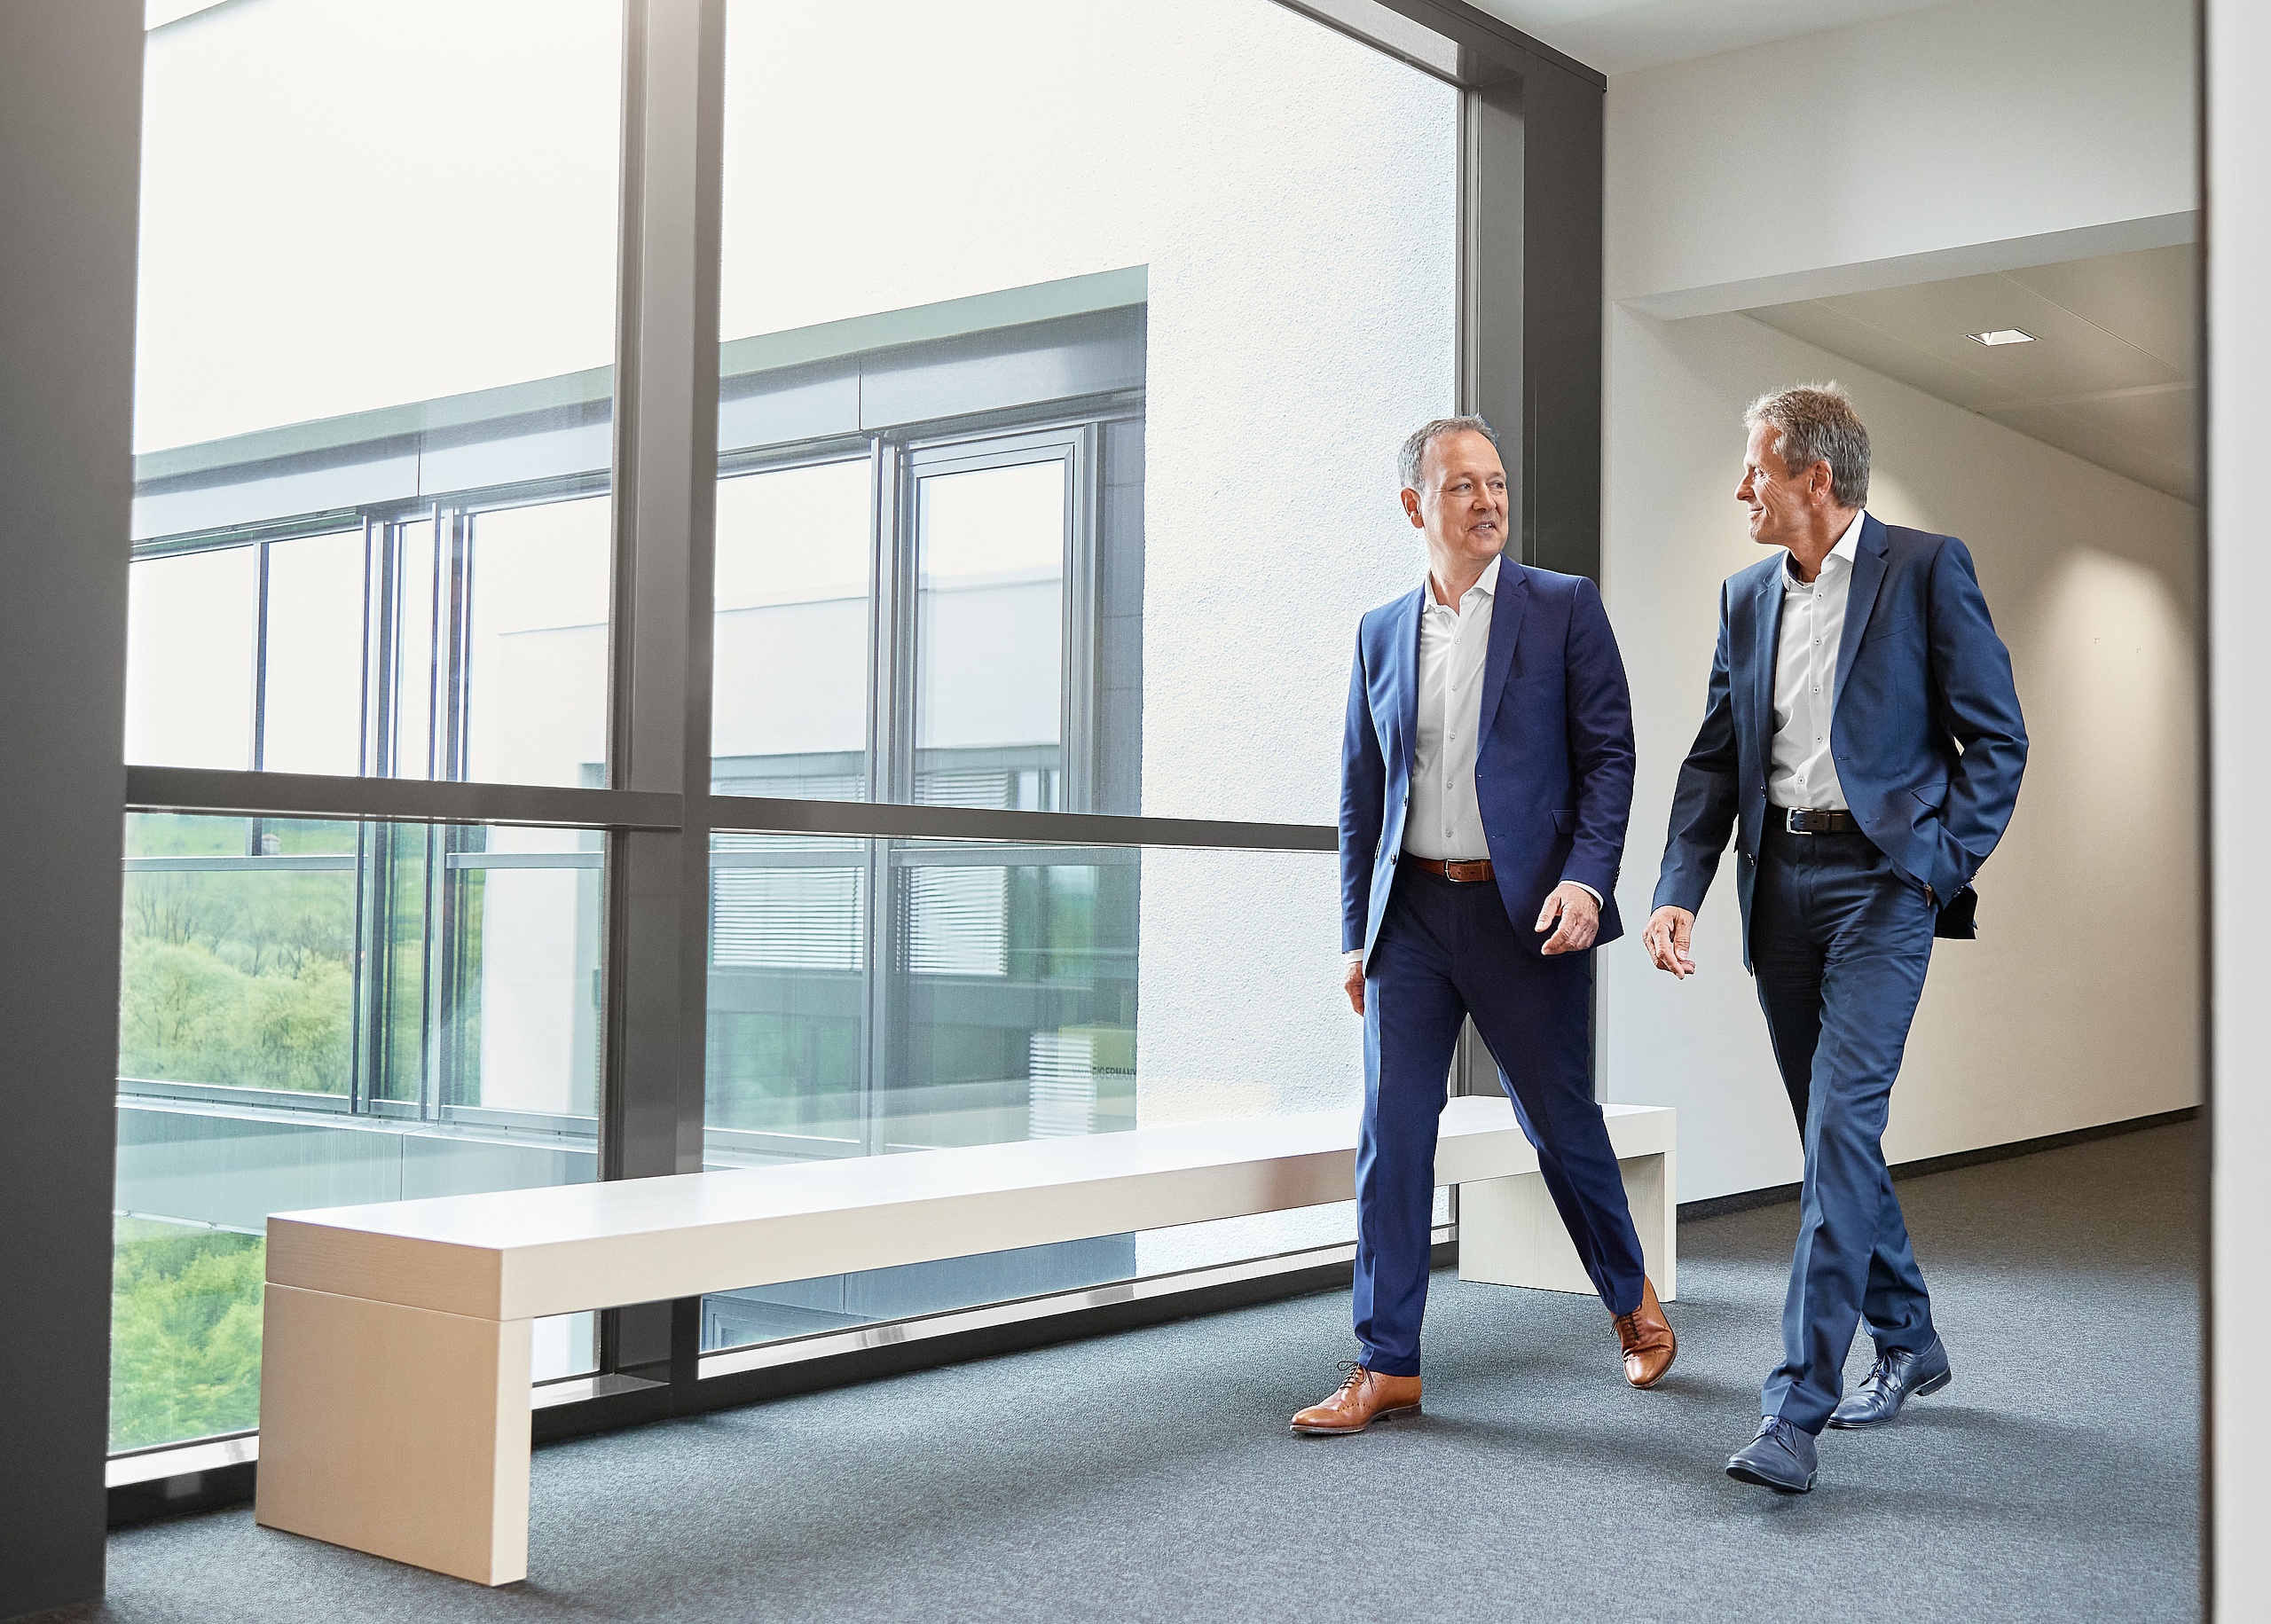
400 1431
1510 1233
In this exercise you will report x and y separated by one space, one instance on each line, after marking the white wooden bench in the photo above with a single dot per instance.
394 1401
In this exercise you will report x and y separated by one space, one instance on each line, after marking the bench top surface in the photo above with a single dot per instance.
550 1216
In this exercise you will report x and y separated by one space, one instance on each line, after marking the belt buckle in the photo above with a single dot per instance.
1792 821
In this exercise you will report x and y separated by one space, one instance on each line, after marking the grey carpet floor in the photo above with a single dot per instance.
1150 1476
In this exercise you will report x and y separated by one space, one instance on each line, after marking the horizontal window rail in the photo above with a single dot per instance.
894 821
304 794
308 794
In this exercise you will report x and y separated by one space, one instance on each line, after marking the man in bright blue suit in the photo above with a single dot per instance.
1862 741
1486 777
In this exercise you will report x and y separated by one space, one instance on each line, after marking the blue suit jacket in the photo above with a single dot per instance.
1553 766
1927 735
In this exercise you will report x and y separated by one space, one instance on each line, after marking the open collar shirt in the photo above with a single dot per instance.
1801 772
1444 818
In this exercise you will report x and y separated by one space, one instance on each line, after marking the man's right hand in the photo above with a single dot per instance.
1670 932
1352 982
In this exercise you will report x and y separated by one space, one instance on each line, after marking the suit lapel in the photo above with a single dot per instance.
1404 645
1506 628
1860 598
1766 638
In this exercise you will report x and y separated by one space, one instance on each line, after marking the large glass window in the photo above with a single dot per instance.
371 539
374 375
1248 278
874 997
1071 508
1063 502
323 1014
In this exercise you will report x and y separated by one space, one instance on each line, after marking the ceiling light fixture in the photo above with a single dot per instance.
2001 335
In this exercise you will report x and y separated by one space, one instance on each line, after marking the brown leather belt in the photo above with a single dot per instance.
1459 874
1802 820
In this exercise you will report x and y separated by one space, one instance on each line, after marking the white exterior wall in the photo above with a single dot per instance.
2079 1004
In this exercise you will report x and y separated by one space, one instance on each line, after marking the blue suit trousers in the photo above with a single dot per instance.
1446 951
1839 940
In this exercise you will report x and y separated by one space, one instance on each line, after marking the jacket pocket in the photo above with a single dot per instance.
1564 823
1934 795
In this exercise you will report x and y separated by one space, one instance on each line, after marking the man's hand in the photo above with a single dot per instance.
1580 915
1670 932
1352 982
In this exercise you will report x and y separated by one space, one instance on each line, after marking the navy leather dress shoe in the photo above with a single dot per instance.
1781 1458
1877 1398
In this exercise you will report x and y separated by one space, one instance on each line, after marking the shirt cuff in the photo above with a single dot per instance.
1599 900
1354 955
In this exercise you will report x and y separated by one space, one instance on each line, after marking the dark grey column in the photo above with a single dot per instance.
70 124
666 475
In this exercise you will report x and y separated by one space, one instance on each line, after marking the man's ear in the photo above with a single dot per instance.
1412 508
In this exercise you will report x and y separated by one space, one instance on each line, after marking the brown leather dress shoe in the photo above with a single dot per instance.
1649 1346
1365 1397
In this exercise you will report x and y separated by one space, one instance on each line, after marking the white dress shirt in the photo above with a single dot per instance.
1800 770
1443 819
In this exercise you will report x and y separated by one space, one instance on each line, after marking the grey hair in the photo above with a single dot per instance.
1416 443
1818 424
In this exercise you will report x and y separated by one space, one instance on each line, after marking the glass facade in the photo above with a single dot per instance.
1059 514
372 539
886 997
316 1013
1064 506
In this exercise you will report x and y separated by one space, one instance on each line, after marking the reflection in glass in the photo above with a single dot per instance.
535 681
322 1013
871 997
989 636
191 622
788 712
311 665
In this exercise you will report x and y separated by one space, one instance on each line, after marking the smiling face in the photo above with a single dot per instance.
1461 502
1781 500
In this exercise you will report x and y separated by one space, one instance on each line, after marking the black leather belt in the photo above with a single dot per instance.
1806 820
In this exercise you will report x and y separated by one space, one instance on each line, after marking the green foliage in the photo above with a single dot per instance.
234 978
185 1333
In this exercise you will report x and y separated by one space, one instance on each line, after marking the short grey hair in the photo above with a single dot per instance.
1818 424
1416 443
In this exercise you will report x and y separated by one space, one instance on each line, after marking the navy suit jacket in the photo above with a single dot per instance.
1926 733
1554 764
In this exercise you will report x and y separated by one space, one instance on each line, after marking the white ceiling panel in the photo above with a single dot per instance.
2110 376
2120 453
1617 36
2149 298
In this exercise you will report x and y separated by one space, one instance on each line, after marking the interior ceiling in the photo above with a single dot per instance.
1616 36
2111 376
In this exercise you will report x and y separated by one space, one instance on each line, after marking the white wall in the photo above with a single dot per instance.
1934 133
2239 421
2077 1005
1960 135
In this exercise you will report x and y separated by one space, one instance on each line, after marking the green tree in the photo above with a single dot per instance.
186 1308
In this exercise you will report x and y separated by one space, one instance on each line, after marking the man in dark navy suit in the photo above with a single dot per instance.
1862 740
1486 777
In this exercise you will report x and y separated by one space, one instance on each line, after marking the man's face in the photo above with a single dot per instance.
1778 497
1461 502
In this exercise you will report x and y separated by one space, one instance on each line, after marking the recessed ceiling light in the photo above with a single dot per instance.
2002 335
